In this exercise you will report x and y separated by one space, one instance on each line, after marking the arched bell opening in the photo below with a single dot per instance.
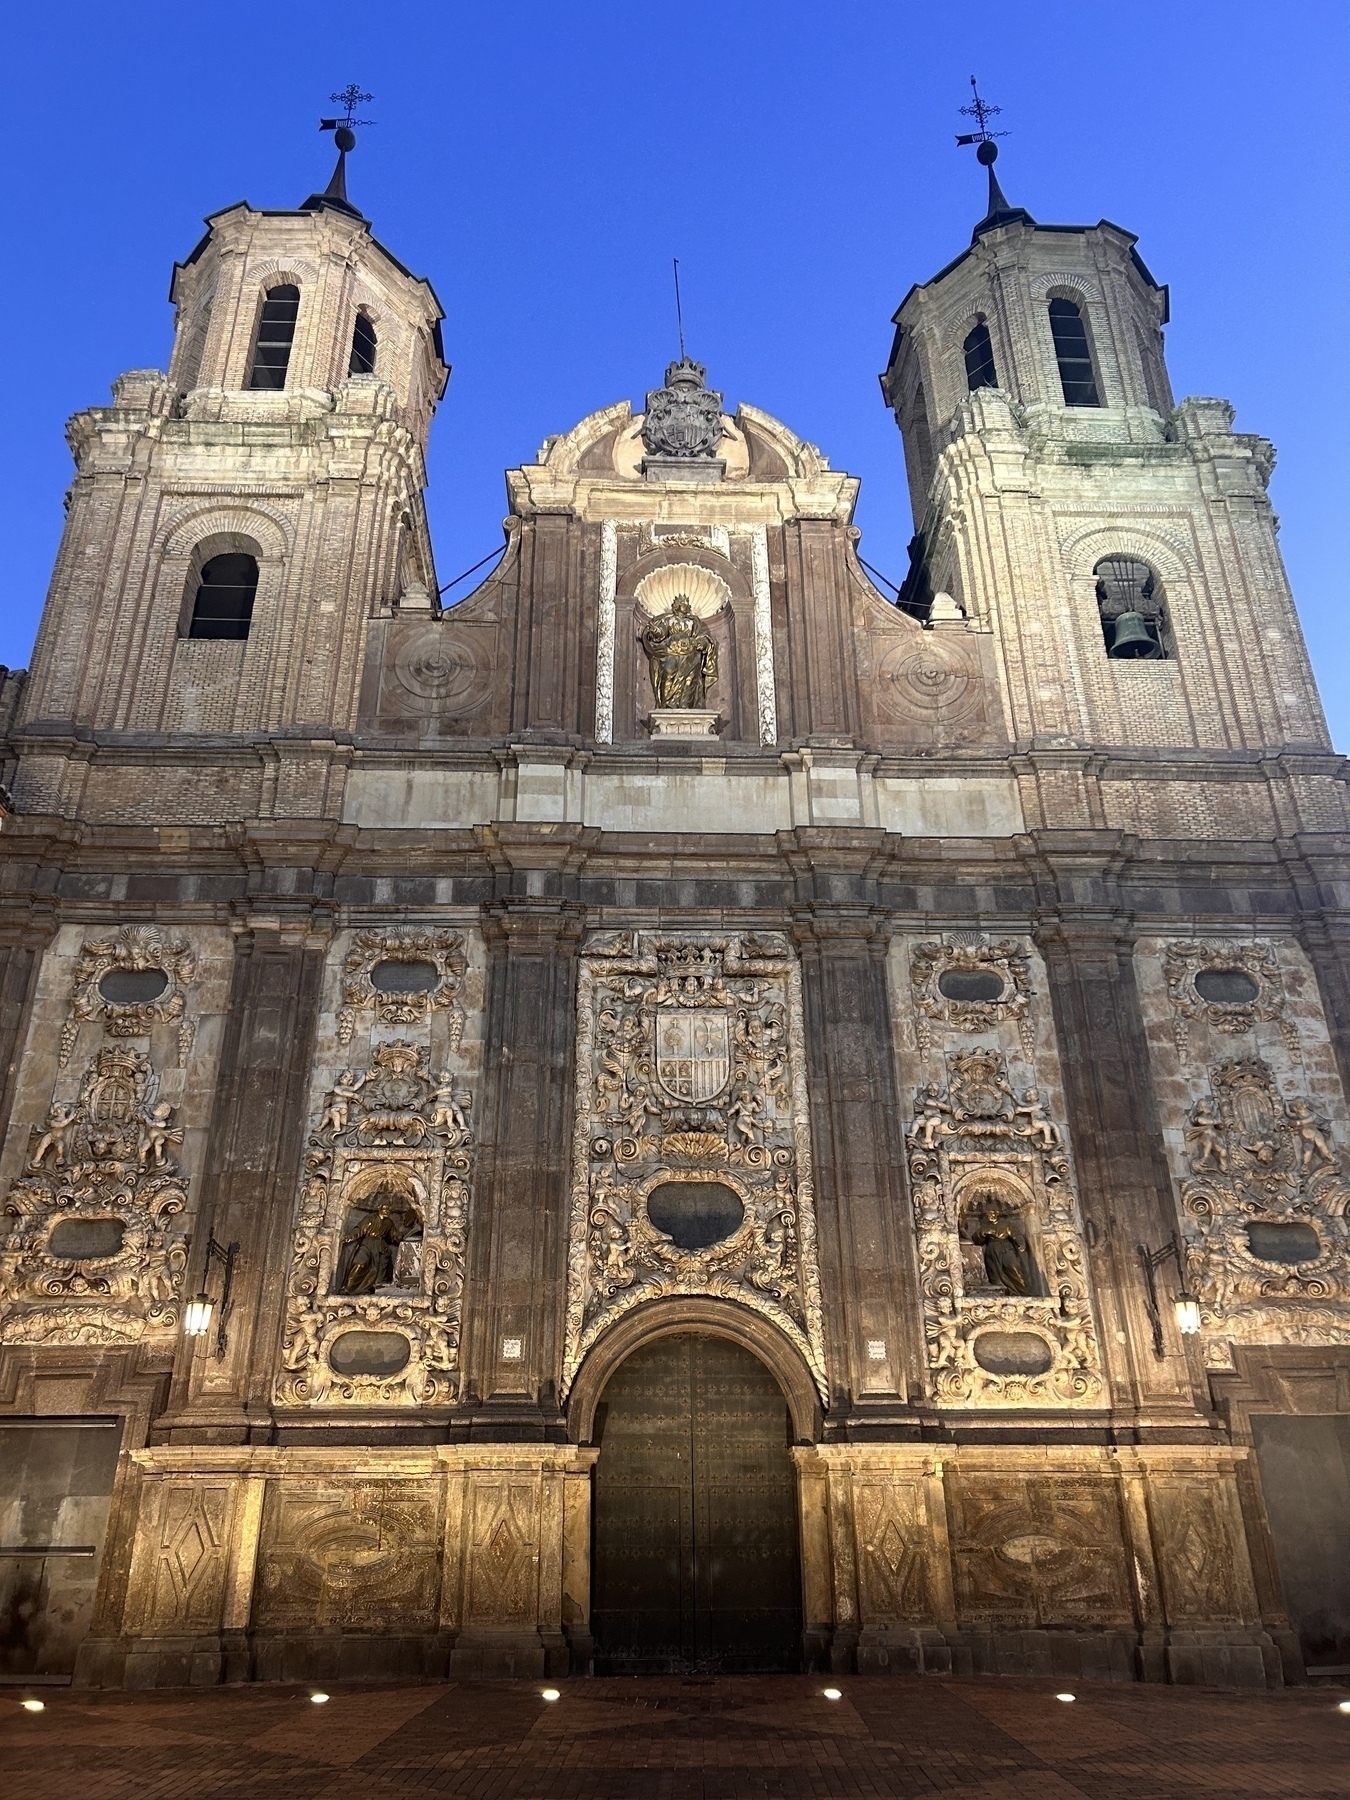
696 1544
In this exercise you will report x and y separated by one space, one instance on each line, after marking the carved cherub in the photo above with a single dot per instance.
303 1347
346 1089
1042 1131
156 1136
930 1119
1204 1138
451 1102
745 1114
945 1335
1313 1144
56 1130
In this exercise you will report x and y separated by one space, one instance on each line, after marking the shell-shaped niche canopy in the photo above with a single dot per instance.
707 593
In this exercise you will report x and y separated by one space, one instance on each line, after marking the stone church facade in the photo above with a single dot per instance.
676 1054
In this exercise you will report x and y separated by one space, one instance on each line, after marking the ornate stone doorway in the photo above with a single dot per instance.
696 1562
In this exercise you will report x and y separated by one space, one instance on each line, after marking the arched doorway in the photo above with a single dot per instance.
696 1560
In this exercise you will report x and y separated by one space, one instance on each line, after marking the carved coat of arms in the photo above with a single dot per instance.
693 1053
684 418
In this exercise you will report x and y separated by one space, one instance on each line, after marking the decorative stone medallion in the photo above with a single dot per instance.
403 974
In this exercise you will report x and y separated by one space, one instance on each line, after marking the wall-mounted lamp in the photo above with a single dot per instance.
197 1314
1185 1307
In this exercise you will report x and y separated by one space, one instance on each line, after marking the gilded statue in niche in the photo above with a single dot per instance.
376 1229
1001 1233
692 1155
681 656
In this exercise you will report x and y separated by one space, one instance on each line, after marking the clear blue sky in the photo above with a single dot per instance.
541 163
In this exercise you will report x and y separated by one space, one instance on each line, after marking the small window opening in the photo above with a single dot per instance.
1072 354
363 347
223 607
979 351
1134 617
276 333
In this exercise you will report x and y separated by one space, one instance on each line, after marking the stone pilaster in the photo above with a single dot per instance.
1126 1193
517 1259
250 1181
871 1345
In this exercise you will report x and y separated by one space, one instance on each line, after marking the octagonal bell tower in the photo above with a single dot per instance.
1120 549
235 524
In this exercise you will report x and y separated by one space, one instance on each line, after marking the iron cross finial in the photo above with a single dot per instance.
981 111
349 99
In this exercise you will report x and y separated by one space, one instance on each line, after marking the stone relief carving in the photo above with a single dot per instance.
129 1007
1230 986
691 1154
989 984
377 1277
433 963
94 1252
1006 1312
356 1553
1264 1212
1034 1550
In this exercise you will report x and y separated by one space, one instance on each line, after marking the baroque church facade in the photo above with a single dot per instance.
677 1113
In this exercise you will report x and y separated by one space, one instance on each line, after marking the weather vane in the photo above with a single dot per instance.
349 99
979 110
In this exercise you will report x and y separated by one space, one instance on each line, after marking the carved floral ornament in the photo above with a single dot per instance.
94 1252
1002 1272
970 986
1230 986
134 979
377 1273
691 1149
1264 1214
403 975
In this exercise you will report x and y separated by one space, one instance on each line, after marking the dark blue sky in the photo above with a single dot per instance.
541 163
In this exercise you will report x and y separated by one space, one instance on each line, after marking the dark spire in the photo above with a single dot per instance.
1000 211
335 194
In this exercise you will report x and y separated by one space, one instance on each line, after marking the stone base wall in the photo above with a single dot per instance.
404 1564
1097 1563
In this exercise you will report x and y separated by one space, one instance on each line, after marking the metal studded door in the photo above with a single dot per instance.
696 1551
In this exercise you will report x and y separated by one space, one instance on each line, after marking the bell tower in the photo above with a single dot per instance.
235 524
1119 548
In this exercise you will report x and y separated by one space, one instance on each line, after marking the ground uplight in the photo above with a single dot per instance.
833 1693
1066 1696
550 1694
318 1699
33 1705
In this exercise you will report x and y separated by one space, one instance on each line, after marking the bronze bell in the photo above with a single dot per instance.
1132 637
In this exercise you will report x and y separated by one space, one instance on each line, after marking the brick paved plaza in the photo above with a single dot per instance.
679 1740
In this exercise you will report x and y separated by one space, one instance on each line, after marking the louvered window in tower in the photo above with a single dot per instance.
276 333
363 347
223 607
1073 354
979 352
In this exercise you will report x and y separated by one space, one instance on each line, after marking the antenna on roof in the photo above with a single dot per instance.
679 310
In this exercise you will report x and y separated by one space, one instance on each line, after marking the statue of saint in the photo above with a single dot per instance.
999 1231
681 654
370 1247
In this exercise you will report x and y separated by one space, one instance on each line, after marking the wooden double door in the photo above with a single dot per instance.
696 1563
